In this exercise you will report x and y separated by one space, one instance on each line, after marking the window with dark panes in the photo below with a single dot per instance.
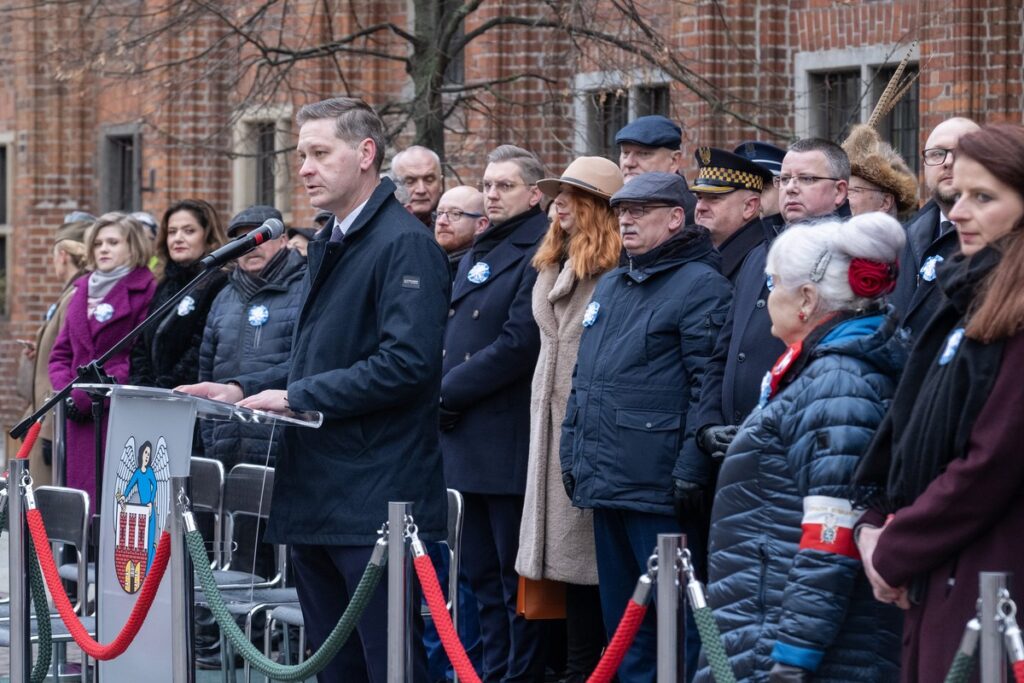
835 103
121 188
609 111
455 72
266 162
653 100
3 185
901 127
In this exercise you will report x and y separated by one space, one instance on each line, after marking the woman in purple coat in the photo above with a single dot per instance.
944 477
108 303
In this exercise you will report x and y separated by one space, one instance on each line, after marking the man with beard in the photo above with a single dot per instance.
931 236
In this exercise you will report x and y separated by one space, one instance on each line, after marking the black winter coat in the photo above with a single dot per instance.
629 424
745 349
917 293
490 350
785 580
233 346
167 354
367 354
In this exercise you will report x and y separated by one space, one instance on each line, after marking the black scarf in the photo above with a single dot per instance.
496 233
248 284
936 405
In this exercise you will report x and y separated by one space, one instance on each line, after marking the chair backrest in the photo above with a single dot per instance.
247 490
65 513
208 497
207 485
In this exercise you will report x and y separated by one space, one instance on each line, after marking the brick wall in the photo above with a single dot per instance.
739 55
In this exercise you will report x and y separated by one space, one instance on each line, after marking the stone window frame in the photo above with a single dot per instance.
109 164
243 186
589 83
869 59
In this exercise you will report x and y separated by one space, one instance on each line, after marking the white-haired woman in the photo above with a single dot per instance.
785 578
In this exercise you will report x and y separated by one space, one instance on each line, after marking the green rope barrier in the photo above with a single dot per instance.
711 639
281 672
41 666
962 668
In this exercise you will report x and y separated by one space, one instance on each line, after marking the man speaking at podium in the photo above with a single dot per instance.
367 354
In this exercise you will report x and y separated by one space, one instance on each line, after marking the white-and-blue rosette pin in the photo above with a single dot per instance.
927 271
590 315
259 315
479 273
103 312
186 306
952 344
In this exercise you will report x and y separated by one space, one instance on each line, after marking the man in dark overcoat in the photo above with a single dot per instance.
931 236
367 354
812 185
490 349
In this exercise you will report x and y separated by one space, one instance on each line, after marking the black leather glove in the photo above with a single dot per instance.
569 483
784 673
691 502
448 419
715 440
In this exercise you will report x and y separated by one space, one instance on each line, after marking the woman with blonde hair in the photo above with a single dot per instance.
107 304
556 540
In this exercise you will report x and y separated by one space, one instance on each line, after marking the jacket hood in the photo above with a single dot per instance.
692 243
870 337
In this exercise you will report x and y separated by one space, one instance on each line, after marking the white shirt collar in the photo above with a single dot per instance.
347 222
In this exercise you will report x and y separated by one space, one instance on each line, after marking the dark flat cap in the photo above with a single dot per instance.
651 131
721 172
653 188
252 217
762 154
323 218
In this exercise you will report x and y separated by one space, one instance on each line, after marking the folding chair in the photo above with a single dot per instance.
208 497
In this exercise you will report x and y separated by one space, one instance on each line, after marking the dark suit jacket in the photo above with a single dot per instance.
490 350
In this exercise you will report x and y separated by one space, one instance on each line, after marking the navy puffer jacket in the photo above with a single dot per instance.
786 582
232 347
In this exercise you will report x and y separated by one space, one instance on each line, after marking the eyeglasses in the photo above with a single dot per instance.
935 156
501 187
454 215
801 180
636 211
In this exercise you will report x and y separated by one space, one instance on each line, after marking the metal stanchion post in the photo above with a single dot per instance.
21 644
993 657
182 597
399 595
667 606
58 455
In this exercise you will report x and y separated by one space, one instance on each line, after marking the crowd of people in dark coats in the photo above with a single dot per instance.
821 398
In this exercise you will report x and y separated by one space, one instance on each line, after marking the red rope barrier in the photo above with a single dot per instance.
30 439
443 620
67 613
620 643
1018 671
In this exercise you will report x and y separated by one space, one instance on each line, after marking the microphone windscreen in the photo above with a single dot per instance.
276 227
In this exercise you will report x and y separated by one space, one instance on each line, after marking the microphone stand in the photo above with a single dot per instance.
93 373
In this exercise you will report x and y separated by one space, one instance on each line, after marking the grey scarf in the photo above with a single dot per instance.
100 284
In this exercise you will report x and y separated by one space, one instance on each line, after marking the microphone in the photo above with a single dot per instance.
271 229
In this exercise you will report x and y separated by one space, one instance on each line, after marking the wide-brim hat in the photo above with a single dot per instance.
593 175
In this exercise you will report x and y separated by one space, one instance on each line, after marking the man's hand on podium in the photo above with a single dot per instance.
271 400
228 393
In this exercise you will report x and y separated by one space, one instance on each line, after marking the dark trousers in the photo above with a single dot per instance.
625 540
438 667
584 627
490 542
326 577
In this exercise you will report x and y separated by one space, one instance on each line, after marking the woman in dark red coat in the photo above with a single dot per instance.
108 303
944 477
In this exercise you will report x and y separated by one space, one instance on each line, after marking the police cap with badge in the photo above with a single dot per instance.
721 172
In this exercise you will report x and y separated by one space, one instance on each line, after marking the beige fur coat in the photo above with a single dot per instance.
556 540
